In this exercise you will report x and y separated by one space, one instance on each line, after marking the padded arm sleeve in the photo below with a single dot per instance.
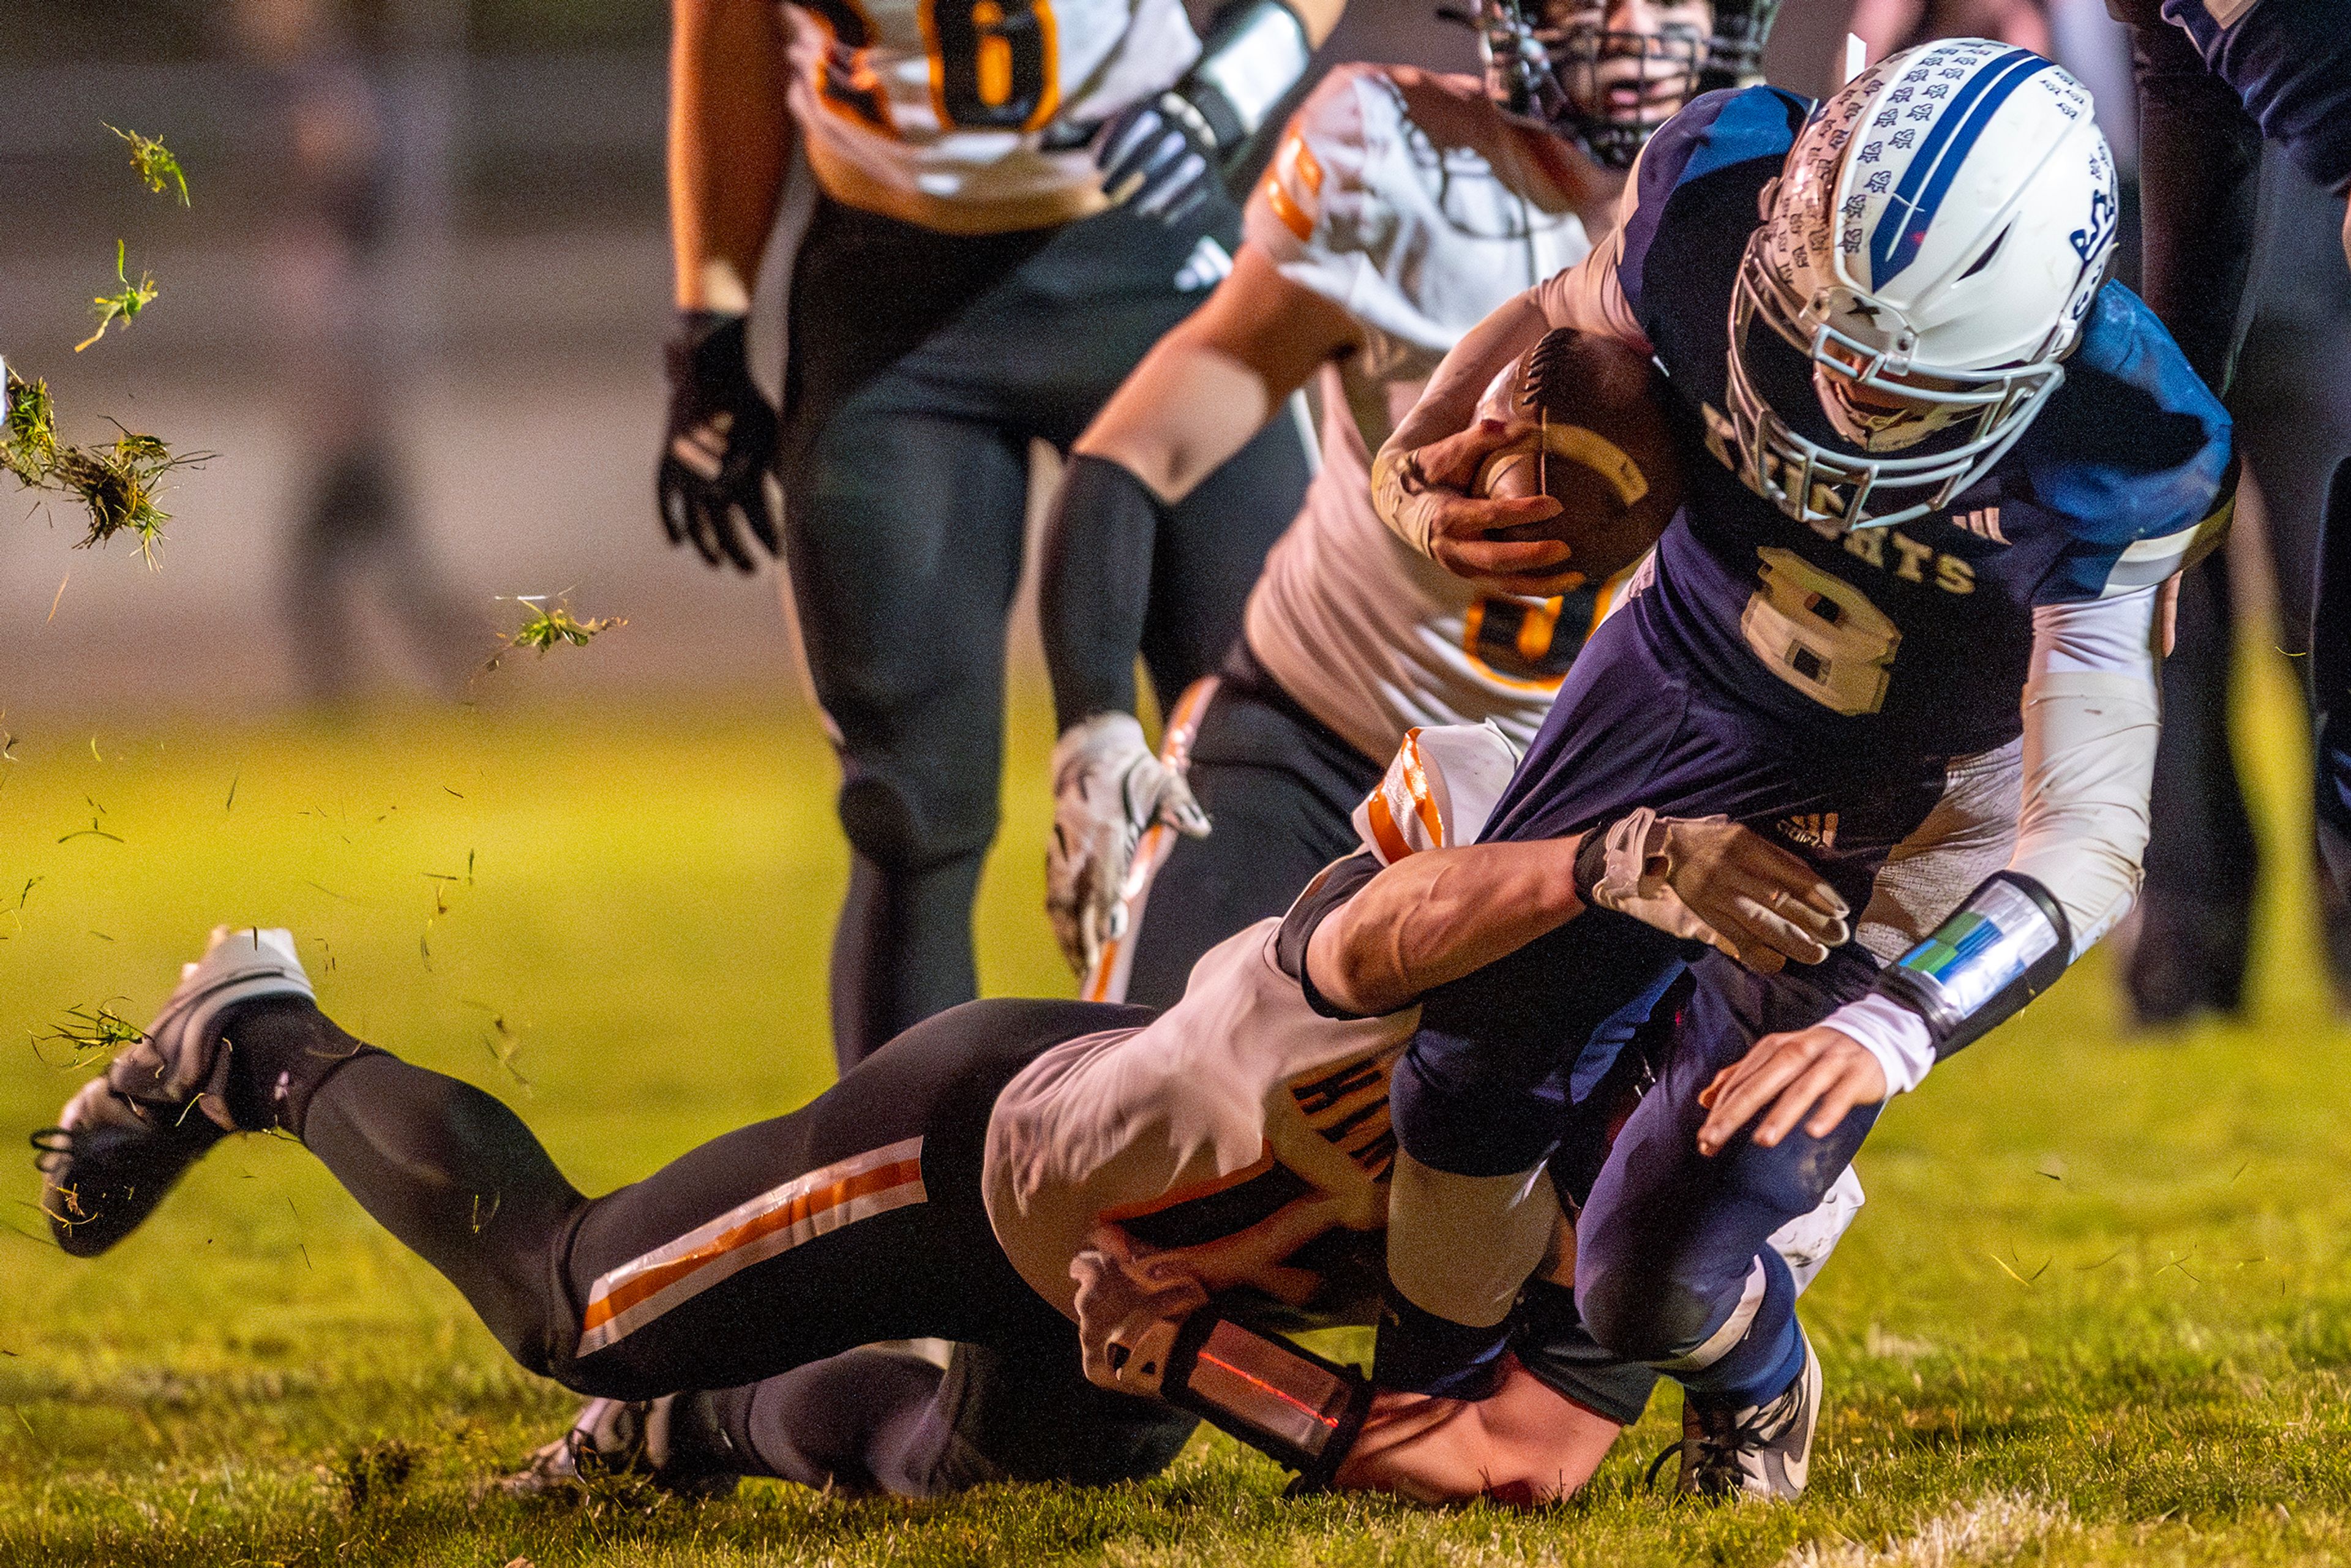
2093 711
2091 716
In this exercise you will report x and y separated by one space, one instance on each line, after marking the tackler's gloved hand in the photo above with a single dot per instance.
1129 1303
1107 788
720 444
1708 879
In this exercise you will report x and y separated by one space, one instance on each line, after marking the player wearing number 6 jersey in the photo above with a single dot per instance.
1936 468
1401 206
1016 198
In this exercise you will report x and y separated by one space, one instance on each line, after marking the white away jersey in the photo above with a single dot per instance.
1408 200
1239 1080
973 116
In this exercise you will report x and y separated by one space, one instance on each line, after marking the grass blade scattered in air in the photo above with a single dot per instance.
124 306
155 164
548 626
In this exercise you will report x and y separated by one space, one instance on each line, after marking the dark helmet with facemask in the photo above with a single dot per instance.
1538 69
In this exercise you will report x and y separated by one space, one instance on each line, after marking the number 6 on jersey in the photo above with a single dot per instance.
1820 633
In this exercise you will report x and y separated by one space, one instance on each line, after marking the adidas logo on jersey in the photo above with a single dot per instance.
1809 830
1985 524
1208 265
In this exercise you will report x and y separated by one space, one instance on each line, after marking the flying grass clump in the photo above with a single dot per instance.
117 485
547 626
154 163
125 304
28 430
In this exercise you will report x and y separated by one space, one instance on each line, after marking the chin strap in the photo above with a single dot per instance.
1289 1403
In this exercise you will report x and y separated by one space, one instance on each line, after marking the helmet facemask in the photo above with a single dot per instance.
1873 399
1607 88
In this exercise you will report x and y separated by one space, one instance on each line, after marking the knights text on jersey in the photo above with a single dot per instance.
1407 199
974 117
1919 636
2290 61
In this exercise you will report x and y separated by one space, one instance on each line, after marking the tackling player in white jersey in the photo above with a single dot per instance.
1400 207
1087 1198
989 171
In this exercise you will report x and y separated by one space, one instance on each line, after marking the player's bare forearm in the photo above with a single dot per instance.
1213 382
1318 16
729 143
1438 915
1523 1445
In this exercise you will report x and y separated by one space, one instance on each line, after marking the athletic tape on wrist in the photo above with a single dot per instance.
1289 1403
1255 53
2005 945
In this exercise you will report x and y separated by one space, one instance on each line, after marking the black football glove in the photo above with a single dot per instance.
712 485
1163 156
1158 157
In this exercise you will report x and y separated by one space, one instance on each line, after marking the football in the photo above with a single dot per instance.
1600 447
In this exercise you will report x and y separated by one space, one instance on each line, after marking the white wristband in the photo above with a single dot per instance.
1891 1032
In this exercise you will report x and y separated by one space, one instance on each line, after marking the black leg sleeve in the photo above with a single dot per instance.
458 1178
866 1421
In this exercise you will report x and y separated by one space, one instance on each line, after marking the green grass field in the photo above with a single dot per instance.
2098 1308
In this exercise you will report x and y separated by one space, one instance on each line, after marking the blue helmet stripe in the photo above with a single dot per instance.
1902 227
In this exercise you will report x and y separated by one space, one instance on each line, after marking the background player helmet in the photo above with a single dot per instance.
1930 249
1607 73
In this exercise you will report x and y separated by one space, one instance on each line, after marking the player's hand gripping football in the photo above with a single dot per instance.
1107 788
1815 1076
1493 542
721 442
1708 879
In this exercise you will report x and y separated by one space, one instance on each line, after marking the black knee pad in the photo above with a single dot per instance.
1642 1314
889 822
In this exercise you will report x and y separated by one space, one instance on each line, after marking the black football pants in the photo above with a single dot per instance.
762 1255
920 366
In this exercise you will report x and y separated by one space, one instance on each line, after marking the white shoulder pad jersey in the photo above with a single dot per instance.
973 116
1438 792
1239 1081
1409 201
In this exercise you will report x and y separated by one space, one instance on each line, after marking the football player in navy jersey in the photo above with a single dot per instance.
1937 468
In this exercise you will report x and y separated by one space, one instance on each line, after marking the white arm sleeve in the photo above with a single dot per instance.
2093 711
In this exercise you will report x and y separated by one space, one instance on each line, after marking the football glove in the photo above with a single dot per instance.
1710 880
1130 1299
1161 156
721 442
1107 788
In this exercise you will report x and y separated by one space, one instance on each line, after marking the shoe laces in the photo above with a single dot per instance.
1714 1439
52 1147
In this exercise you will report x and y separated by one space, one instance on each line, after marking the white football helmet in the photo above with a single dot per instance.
1929 250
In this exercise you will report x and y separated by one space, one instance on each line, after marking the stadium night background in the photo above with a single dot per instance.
2095 1310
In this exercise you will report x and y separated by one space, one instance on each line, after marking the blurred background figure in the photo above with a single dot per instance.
352 339
2290 394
